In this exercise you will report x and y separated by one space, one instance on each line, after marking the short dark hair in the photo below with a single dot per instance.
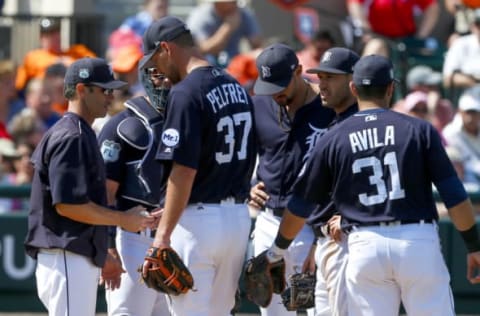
69 91
371 92
323 34
185 40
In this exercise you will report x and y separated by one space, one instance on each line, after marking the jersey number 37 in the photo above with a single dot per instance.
235 130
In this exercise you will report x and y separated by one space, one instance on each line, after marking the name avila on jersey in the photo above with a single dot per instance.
226 94
369 138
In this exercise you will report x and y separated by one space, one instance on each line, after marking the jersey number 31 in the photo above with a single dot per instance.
376 179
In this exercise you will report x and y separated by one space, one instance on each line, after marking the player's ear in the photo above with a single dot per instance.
353 89
298 70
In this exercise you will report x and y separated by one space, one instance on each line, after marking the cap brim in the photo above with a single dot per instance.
434 79
327 70
267 88
114 84
144 62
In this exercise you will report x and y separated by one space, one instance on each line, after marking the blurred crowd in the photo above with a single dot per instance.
439 81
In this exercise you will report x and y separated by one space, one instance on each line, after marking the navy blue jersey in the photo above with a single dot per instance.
125 143
209 127
284 145
379 165
68 169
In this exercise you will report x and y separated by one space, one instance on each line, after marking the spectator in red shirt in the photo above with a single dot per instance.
378 20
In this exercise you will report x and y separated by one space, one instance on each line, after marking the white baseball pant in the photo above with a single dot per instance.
330 292
266 228
212 240
67 283
133 298
389 264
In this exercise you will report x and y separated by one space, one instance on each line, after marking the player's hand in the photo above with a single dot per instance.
258 196
157 214
157 243
309 263
335 228
112 270
473 267
136 219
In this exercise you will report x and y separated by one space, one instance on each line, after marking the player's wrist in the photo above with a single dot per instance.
471 239
275 254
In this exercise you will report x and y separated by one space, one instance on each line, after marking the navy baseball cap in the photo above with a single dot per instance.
275 65
165 29
336 60
92 71
373 70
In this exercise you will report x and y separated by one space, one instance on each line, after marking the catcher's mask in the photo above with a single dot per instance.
157 87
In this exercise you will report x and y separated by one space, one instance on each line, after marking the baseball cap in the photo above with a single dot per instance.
125 59
373 70
336 60
165 29
469 101
49 25
93 71
415 98
275 65
7 148
423 75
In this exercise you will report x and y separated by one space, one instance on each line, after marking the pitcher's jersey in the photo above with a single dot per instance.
379 165
284 145
209 127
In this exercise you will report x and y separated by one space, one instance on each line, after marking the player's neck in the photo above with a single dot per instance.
304 96
370 105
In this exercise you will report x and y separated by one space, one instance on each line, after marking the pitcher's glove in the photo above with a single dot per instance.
263 278
301 293
167 273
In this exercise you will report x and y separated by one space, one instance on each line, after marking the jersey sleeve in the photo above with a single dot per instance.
68 172
180 141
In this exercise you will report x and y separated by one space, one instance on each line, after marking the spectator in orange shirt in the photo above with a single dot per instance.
37 61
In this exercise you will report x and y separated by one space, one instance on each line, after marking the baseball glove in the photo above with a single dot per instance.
263 278
301 293
168 274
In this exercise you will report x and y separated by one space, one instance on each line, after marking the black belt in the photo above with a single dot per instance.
149 233
231 199
275 211
389 223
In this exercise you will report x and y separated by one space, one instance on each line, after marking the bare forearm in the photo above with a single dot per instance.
430 17
291 225
179 187
90 213
217 42
459 80
462 215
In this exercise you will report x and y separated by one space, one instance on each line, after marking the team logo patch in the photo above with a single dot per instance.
170 137
371 117
266 72
83 73
326 56
110 150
